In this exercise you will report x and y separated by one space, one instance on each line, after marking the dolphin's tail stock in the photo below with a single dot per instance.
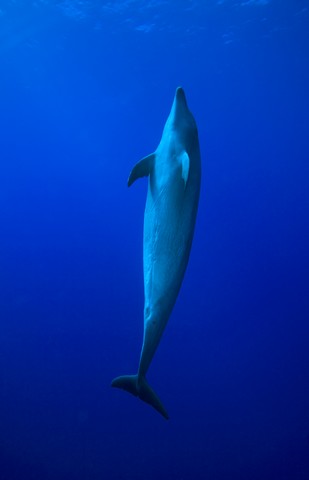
138 386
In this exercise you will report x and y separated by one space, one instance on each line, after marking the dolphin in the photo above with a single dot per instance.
174 177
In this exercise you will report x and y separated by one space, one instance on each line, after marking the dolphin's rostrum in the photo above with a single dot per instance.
174 172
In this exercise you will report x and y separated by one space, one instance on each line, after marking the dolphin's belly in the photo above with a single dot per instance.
168 231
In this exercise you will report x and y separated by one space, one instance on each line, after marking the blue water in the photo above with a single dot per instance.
85 89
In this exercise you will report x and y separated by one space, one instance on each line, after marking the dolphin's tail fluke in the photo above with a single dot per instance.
138 386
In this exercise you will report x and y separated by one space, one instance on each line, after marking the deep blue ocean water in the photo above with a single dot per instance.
85 89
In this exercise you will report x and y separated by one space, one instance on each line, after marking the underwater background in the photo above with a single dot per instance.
85 90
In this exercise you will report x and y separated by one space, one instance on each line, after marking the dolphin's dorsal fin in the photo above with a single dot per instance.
142 168
185 166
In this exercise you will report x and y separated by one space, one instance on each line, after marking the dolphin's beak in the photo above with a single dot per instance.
180 102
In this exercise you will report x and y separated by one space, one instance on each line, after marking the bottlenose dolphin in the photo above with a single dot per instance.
174 172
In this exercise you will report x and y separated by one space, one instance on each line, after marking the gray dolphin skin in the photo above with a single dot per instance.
174 172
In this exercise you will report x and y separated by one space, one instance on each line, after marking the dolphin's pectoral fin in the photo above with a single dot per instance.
139 387
185 166
142 168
